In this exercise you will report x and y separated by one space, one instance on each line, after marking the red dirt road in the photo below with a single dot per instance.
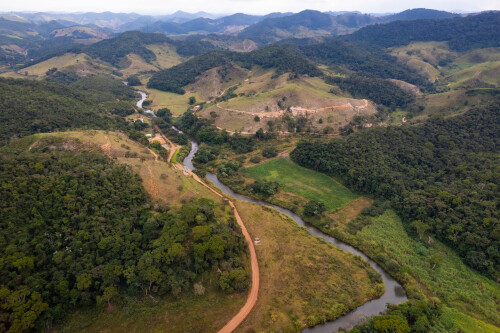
254 290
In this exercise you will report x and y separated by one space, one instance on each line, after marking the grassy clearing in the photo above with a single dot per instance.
465 323
303 279
191 313
136 65
304 182
486 72
424 57
297 94
178 104
463 290
166 56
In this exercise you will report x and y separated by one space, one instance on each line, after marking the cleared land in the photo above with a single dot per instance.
166 56
424 57
303 279
268 97
178 104
304 182
190 313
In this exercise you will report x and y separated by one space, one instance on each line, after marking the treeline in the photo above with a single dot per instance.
442 177
462 34
283 60
30 107
378 90
77 229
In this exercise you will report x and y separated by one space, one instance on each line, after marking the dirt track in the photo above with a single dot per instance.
298 110
173 147
254 290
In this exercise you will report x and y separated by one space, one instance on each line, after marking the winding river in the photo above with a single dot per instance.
394 292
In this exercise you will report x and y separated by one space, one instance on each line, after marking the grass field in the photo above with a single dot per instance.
303 280
178 104
190 313
166 56
304 182
470 296
424 57
136 65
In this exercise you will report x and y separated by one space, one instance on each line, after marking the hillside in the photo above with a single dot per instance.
462 34
36 107
308 23
281 59
419 14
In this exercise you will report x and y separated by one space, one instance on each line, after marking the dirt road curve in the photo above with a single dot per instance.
173 147
254 290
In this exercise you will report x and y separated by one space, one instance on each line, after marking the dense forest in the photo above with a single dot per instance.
77 229
35 106
441 176
462 34
282 59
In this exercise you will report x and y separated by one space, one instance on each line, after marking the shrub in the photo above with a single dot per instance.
314 208
269 152
255 159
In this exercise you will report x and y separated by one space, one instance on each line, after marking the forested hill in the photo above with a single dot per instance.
279 58
28 107
78 229
419 14
273 29
462 34
364 60
442 177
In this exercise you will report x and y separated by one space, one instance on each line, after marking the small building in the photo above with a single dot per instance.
256 241
196 108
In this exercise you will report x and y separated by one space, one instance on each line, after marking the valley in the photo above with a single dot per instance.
288 172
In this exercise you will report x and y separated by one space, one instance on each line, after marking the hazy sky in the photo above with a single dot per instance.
246 6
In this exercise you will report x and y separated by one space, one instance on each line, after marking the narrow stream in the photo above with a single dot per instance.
394 292
141 101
